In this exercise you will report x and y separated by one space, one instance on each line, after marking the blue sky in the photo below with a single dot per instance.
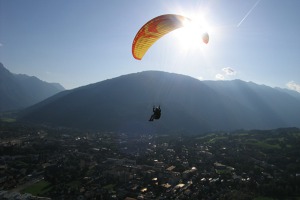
77 42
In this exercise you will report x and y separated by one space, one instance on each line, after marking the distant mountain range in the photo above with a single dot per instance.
19 91
124 104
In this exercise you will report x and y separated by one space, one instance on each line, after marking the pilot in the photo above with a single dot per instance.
156 113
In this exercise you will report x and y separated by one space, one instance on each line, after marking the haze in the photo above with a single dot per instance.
76 43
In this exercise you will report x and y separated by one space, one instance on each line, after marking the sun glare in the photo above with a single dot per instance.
190 36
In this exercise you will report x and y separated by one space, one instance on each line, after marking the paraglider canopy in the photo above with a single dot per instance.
155 29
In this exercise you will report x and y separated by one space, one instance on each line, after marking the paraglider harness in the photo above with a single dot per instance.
156 113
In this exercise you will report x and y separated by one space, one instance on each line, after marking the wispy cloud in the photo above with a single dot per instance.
229 71
220 77
293 86
1 45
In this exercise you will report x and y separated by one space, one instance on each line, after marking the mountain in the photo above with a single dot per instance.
124 104
19 91
291 92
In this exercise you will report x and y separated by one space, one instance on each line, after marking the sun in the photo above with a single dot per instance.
192 35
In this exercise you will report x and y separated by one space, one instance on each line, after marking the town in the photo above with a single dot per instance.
40 162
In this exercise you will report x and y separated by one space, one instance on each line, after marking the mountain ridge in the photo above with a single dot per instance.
19 91
124 104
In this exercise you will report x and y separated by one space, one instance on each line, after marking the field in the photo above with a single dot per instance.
38 188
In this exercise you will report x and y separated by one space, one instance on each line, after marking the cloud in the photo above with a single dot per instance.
229 71
200 77
293 86
220 77
1 45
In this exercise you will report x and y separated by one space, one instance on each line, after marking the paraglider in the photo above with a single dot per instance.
155 29
156 113
152 31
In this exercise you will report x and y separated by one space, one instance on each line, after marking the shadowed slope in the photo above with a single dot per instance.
188 105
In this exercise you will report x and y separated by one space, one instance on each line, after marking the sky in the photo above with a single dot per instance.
79 42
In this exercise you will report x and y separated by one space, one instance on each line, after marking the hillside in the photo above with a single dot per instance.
124 104
19 91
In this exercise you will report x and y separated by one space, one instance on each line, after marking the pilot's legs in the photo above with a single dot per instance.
151 118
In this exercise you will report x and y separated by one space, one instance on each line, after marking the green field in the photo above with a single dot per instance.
5 119
38 188
263 144
263 198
